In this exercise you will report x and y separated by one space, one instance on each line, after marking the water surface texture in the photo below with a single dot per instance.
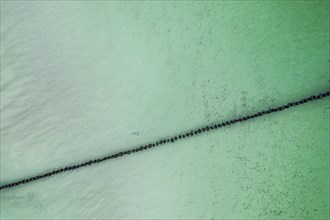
83 79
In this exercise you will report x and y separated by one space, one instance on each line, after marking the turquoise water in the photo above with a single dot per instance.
83 79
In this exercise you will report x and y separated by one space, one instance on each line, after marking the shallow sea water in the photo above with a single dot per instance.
83 79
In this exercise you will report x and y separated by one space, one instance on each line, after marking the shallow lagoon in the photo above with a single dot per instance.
83 79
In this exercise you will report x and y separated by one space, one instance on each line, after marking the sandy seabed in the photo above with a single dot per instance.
83 79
